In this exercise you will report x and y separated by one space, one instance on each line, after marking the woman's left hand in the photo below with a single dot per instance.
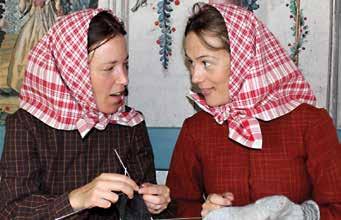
156 197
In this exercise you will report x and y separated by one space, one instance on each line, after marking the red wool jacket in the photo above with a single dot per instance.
300 158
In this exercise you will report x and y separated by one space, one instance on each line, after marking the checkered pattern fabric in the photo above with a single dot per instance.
41 165
264 83
57 87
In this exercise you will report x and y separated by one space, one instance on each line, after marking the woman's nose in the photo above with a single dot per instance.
123 77
197 75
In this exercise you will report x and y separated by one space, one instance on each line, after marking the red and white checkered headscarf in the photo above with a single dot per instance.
264 83
57 88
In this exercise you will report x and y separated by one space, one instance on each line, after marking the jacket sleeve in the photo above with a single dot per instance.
184 177
20 194
324 165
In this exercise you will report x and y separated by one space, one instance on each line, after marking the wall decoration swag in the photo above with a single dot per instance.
164 9
299 29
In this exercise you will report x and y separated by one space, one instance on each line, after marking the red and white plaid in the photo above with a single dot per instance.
264 83
57 87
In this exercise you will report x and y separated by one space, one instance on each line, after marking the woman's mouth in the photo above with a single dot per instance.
206 91
117 93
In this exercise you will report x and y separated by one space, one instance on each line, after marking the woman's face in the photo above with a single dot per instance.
210 69
109 74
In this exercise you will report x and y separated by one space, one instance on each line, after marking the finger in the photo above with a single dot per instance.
121 187
228 195
208 207
218 200
146 184
103 199
119 177
117 185
102 203
203 212
156 199
152 206
155 211
152 189
110 196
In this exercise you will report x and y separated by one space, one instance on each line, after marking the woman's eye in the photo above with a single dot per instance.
206 64
189 63
126 65
108 69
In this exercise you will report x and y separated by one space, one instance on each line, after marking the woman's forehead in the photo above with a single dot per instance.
115 50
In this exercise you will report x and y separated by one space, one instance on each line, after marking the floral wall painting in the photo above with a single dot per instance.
22 24
76 5
164 22
299 29
25 22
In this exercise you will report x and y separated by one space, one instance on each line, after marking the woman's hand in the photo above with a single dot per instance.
156 197
100 192
216 201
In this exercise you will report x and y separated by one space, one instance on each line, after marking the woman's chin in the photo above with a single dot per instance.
110 109
214 103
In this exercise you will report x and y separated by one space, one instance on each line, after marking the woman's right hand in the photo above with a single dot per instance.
100 192
216 201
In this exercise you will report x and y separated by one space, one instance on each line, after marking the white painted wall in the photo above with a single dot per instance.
314 60
160 95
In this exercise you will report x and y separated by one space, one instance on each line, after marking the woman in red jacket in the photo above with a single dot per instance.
259 145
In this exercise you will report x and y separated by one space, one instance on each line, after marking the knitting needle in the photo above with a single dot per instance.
122 164
187 218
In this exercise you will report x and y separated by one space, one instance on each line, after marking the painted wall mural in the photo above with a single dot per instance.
299 29
164 22
22 24
156 65
155 46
